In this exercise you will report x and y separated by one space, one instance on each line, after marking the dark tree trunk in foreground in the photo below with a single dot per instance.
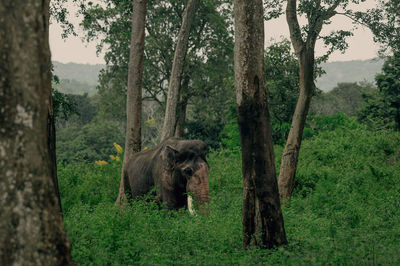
262 216
51 142
133 135
177 68
31 227
305 52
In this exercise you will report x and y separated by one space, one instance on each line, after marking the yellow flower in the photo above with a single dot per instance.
151 121
100 162
118 148
112 157
117 158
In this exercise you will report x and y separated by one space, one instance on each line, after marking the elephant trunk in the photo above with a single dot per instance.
198 190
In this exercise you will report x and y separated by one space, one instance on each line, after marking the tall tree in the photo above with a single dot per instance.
208 62
388 83
381 108
177 69
31 227
262 216
303 40
134 91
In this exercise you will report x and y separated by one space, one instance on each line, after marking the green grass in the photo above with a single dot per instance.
345 210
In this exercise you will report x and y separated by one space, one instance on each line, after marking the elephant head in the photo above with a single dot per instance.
189 173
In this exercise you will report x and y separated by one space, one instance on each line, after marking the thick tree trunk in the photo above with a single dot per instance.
177 68
262 216
134 92
31 227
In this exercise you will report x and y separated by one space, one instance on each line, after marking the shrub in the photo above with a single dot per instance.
344 210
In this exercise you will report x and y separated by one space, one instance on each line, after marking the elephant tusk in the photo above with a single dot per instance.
190 205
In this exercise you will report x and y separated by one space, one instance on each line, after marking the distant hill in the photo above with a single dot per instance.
80 78
75 87
83 73
348 71
77 78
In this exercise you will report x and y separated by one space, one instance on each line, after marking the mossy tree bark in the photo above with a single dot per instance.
262 216
170 119
31 227
133 135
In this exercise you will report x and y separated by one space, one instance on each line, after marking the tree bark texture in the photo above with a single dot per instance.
133 135
262 216
305 52
51 142
181 118
177 68
31 227
290 154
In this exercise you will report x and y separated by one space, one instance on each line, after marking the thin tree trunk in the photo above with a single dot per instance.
181 118
51 142
134 92
305 54
262 216
290 154
177 68
31 227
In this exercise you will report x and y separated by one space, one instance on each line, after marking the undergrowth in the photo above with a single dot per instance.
345 210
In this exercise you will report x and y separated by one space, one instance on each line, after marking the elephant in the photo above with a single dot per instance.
178 170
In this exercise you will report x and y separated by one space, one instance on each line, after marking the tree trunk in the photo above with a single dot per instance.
181 118
51 142
290 154
262 216
31 227
305 54
177 68
134 91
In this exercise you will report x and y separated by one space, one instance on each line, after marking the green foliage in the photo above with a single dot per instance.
209 60
345 208
88 143
74 87
314 125
375 112
382 109
281 80
206 130
346 97
64 105
84 109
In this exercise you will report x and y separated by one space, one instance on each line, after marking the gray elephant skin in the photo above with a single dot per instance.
177 168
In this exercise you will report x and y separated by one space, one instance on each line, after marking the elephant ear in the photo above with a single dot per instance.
169 156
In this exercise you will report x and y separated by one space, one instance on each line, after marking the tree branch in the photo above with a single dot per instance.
294 27
331 10
353 18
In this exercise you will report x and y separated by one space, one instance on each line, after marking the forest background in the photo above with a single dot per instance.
344 208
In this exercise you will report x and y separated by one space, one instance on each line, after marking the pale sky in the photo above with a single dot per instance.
361 45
